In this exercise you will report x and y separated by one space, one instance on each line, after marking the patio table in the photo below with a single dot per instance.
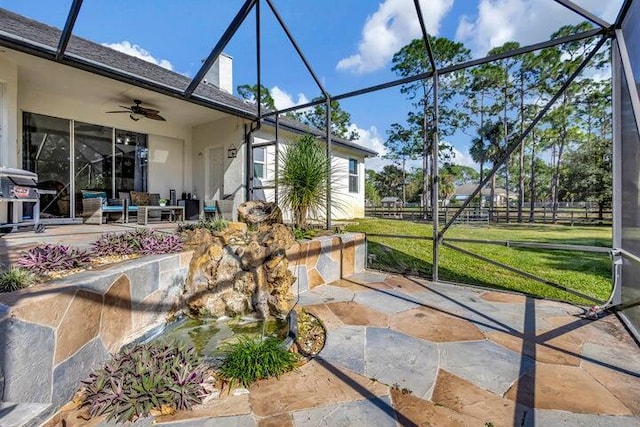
173 211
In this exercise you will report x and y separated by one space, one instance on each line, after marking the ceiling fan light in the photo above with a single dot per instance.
136 116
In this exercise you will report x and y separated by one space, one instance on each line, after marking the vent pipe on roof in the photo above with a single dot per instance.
220 74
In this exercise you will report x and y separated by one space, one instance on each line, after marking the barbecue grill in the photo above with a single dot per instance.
19 200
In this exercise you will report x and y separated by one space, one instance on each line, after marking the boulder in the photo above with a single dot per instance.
277 237
256 213
253 255
234 234
236 271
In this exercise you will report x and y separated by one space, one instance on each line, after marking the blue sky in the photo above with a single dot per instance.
348 43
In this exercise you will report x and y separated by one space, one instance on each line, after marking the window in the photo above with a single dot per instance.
259 170
353 176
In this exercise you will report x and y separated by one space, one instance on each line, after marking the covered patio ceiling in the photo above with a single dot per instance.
103 94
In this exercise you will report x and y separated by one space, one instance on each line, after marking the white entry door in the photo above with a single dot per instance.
215 174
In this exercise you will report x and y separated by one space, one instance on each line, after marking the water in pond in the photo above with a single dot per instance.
207 335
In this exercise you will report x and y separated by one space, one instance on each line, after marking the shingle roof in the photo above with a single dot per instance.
17 29
467 189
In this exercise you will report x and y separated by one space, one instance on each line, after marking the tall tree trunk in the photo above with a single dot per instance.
506 140
521 158
492 196
426 200
507 192
555 187
481 145
553 180
532 184
404 181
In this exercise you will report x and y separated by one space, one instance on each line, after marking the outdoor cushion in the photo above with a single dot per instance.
140 198
87 194
114 208
210 209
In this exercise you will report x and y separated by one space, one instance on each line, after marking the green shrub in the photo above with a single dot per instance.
249 360
217 224
144 377
304 172
16 278
302 233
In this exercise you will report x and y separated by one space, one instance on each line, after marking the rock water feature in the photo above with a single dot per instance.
243 268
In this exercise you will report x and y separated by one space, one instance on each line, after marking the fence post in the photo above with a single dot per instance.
571 217
544 214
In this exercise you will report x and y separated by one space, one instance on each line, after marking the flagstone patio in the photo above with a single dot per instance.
405 351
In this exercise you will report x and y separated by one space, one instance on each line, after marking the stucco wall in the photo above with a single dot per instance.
166 164
9 109
222 133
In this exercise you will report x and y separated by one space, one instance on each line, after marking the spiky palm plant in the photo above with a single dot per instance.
304 173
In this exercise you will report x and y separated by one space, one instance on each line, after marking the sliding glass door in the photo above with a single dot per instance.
46 150
93 149
131 161
104 159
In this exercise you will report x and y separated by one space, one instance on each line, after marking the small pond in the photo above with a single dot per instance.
207 335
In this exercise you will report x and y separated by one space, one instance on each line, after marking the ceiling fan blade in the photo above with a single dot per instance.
146 110
119 111
155 117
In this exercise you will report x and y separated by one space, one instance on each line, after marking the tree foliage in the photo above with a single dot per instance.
250 93
316 117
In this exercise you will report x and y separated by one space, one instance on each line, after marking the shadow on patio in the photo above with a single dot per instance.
405 351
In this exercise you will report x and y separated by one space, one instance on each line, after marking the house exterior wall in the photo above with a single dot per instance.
179 154
8 113
222 133
166 165
345 204
163 137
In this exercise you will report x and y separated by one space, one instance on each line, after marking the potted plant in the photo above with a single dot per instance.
163 202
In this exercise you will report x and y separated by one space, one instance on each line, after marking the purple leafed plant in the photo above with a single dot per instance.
112 244
144 377
161 244
140 241
47 258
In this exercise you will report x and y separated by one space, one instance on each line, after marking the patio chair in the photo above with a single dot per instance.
225 209
209 209
96 208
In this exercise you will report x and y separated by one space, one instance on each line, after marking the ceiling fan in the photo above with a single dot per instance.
136 112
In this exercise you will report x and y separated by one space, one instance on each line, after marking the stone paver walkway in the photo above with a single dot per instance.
407 352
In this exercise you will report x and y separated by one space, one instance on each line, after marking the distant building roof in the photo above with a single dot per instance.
390 199
467 189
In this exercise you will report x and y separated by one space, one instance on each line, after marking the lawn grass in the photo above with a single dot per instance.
588 273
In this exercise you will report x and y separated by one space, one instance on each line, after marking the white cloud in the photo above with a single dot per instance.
392 26
283 99
463 159
524 21
139 52
371 139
